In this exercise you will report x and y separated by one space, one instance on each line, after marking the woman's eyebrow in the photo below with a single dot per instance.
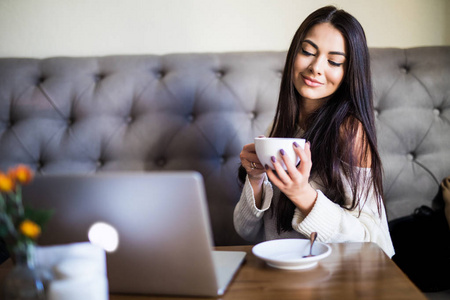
338 53
311 43
317 48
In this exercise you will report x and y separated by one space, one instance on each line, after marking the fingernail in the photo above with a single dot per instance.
282 152
296 145
266 167
309 143
273 159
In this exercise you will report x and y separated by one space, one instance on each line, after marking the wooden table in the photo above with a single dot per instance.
352 271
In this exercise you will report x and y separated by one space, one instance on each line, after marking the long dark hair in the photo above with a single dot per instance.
332 129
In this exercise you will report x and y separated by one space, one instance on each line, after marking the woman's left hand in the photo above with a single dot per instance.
294 182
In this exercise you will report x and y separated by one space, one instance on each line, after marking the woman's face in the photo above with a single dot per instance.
320 64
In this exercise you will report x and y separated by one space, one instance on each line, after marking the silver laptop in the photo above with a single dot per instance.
162 220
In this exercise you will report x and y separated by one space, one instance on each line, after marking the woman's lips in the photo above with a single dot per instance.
311 81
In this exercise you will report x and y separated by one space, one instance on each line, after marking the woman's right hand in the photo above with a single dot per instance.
251 163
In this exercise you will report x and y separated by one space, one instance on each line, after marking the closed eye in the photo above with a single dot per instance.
335 64
304 52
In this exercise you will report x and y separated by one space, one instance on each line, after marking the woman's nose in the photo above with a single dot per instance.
316 66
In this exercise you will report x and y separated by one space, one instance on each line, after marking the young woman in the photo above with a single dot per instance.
326 98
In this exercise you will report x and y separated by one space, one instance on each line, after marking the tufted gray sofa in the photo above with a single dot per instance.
196 111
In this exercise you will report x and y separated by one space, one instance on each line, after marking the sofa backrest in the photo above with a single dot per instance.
196 111
412 102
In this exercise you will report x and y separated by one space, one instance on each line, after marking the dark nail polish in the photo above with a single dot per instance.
273 159
282 152
266 167
296 145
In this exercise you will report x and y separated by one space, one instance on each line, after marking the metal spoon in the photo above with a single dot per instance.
312 239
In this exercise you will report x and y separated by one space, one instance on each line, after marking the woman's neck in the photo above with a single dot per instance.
307 107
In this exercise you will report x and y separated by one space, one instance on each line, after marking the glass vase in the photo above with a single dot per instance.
23 281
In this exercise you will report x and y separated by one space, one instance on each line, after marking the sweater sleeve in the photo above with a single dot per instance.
248 219
336 224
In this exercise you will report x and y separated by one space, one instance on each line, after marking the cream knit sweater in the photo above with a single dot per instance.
329 220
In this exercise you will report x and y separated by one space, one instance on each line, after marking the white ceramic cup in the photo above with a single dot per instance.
266 147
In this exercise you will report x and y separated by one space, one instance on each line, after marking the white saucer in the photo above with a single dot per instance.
288 253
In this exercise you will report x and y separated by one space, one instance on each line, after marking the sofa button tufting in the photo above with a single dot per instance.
40 80
252 115
404 69
220 74
190 118
436 111
376 113
410 156
222 160
98 77
160 74
128 119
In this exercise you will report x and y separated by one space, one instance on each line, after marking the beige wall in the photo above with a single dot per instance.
42 28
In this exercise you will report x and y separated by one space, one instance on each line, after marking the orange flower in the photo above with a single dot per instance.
30 229
6 183
22 174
